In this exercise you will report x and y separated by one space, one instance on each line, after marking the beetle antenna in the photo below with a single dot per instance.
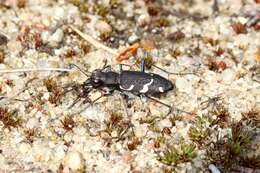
105 64
173 73
84 72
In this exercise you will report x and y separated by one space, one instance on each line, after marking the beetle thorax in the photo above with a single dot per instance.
107 78
97 76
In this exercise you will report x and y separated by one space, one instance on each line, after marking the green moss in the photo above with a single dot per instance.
81 4
174 118
184 153
114 3
158 141
199 132
231 151
101 10
76 2
162 22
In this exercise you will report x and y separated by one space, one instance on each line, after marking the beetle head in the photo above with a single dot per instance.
96 79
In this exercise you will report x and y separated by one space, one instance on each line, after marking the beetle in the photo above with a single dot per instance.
136 82
139 83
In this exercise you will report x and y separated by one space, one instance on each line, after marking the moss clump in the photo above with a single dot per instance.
101 10
68 123
162 22
30 134
81 4
184 153
232 150
10 118
198 132
54 89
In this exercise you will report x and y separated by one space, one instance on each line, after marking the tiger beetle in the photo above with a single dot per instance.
139 83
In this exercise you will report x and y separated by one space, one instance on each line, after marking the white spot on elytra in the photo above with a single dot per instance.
146 87
127 89
161 89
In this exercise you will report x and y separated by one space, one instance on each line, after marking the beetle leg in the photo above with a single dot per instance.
97 99
124 100
69 87
170 107
157 101
107 90
74 102
120 68
142 65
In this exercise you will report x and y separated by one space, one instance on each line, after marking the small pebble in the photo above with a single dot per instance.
228 75
24 147
140 131
2 160
103 27
165 123
45 36
74 160
133 38
127 157
14 46
56 37
59 13
32 123
214 169
143 20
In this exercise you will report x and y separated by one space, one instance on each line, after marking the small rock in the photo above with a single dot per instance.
60 151
143 20
235 5
59 13
32 123
133 38
127 157
2 160
74 160
114 134
24 147
45 36
103 27
214 169
129 9
56 37
140 131
165 123
228 75
14 46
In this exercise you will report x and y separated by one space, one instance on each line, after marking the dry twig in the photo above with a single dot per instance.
94 42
